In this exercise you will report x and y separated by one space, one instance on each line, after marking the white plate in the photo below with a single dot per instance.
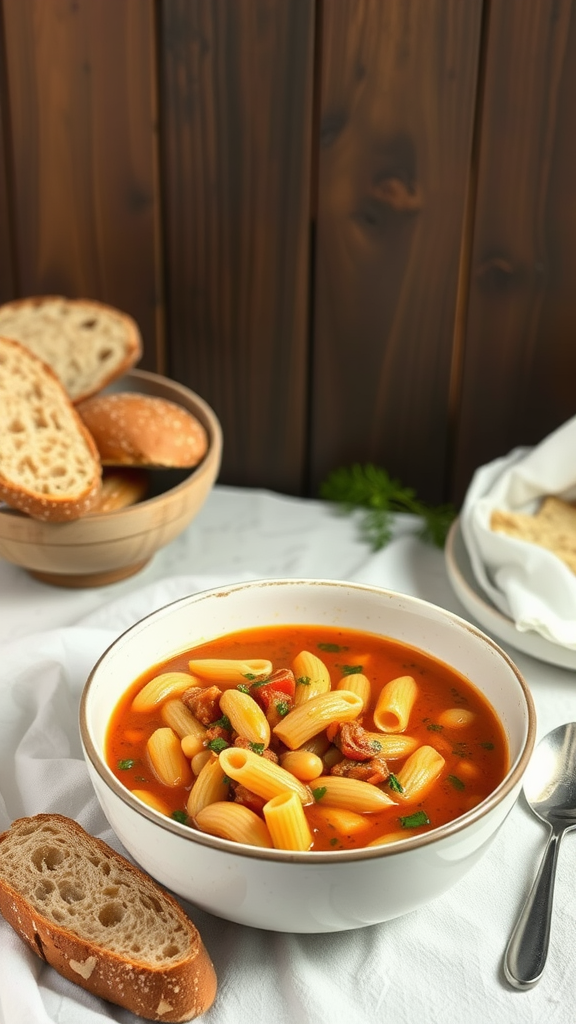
488 616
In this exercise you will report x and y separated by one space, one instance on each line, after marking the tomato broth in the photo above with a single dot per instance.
475 750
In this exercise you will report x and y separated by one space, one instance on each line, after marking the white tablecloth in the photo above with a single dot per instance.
439 964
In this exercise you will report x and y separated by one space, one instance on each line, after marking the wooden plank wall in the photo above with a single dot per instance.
349 224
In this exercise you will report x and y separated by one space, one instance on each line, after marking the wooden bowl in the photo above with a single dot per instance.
103 548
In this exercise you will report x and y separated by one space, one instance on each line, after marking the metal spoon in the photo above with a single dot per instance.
550 789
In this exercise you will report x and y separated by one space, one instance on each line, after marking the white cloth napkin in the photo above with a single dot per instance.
440 963
528 583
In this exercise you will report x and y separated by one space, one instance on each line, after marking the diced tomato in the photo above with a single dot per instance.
282 680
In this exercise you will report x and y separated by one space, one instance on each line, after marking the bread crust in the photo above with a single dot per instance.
50 506
129 355
132 429
176 992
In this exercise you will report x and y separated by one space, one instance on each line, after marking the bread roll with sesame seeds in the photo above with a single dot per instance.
131 429
49 463
101 922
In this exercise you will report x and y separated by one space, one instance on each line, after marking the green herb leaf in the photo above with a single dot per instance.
415 820
243 687
487 746
332 648
258 683
303 681
217 744
376 746
456 782
395 784
125 764
223 722
282 708
319 793
371 489
334 841
350 670
180 816
258 748
226 780
249 675
434 727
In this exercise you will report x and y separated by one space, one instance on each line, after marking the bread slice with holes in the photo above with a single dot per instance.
49 463
87 343
101 922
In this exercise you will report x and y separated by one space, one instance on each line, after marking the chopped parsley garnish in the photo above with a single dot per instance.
456 782
395 784
434 727
259 682
334 841
303 681
376 745
243 688
282 707
180 816
223 722
350 670
226 780
319 793
258 748
217 744
125 764
487 746
461 749
249 676
332 648
415 820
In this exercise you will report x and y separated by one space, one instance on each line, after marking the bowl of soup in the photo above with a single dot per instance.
306 755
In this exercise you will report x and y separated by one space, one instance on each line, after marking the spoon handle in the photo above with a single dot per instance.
527 949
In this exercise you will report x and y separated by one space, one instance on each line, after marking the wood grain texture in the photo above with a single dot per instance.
519 363
82 112
397 108
7 284
236 111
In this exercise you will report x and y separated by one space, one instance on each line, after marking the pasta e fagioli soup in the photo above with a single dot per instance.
304 737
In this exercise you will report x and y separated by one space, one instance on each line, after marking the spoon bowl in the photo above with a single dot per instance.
550 791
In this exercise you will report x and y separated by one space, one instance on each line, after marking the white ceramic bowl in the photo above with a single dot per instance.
305 892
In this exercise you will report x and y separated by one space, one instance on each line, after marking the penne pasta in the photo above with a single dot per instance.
359 684
350 794
390 837
394 704
419 773
246 716
259 775
287 823
312 716
303 764
167 759
175 714
455 718
235 822
167 684
393 745
210 787
152 800
344 822
229 672
311 675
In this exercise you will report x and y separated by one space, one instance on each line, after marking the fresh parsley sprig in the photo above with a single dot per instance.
372 489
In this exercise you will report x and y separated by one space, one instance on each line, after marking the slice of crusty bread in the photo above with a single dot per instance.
101 922
552 527
131 429
87 343
49 464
